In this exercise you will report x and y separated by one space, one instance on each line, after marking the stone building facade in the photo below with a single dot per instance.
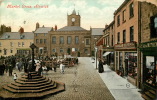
71 39
108 46
15 43
41 40
147 50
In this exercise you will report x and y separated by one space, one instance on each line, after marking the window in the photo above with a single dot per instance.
61 40
131 33
41 41
118 37
153 26
118 20
131 10
76 40
36 34
86 51
0 51
41 50
112 40
37 41
150 70
19 44
61 50
45 41
53 40
69 40
45 49
0 44
54 50
5 51
22 44
11 50
45 34
87 41
11 44
124 16
124 36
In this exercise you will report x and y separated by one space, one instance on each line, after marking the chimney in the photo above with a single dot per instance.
21 30
55 27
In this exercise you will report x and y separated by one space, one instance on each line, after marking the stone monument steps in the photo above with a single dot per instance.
33 77
32 85
37 79
29 91
32 82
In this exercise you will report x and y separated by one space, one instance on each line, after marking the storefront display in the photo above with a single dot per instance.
150 70
131 63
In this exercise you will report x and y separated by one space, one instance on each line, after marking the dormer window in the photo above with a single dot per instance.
7 36
22 36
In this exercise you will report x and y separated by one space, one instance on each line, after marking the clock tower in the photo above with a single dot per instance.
73 19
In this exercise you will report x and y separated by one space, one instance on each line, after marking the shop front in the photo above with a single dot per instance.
126 61
149 57
108 56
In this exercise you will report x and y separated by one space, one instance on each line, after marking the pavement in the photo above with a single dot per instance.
120 87
83 82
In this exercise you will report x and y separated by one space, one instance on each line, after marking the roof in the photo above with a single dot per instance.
72 28
97 31
43 30
17 35
121 6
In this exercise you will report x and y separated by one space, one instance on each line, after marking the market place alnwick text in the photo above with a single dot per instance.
27 6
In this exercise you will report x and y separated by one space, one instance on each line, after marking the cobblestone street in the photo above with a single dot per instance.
82 82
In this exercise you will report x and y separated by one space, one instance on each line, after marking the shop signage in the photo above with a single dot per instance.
147 45
129 45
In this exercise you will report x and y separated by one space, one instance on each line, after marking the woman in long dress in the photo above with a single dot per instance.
100 67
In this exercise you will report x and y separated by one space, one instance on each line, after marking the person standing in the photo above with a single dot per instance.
62 68
15 76
10 70
100 67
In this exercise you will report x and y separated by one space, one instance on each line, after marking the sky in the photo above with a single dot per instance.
94 13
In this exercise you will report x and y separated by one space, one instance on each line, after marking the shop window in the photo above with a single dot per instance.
153 26
150 70
131 63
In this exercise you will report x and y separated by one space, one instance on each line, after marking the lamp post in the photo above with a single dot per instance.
96 55
32 46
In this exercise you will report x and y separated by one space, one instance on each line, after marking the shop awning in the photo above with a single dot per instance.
106 53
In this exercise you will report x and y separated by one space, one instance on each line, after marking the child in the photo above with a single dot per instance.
15 76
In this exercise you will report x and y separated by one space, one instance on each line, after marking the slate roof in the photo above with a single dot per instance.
97 31
72 28
17 35
43 30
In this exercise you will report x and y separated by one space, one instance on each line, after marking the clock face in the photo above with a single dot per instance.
73 19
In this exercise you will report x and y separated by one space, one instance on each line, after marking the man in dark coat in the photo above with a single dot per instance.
100 67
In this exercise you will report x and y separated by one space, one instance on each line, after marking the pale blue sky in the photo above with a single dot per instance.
94 13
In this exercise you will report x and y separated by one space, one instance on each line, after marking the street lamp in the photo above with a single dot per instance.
96 55
32 46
